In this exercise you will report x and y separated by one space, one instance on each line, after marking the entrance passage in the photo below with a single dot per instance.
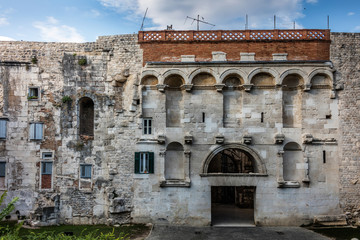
232 206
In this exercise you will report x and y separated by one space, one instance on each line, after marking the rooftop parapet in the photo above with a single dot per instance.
233 35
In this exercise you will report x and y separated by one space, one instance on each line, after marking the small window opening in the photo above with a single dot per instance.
262 117
203 117
47 155
85 171
138 101
328 116
2 169
324 156
147 126
33 93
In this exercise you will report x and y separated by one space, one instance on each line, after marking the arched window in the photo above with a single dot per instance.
232 160
204 79
174 162
86 116
292 101
263 79
174 99
232 101
292 156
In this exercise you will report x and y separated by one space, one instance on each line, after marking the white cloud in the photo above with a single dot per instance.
351 14
51 30
311 1
95 13
357 29
3 21
3 38
225 14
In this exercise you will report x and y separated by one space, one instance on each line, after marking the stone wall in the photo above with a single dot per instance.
110 69
345 54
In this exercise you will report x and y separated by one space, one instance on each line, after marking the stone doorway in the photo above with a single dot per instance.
232 206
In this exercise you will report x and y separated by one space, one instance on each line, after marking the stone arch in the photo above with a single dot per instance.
178 72
148 76
232 72
174 161
322 72
174 81
259 165
86 116
291 157
203 71
289 72
269 71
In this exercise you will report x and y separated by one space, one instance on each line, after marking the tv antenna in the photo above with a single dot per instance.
198 21
142 24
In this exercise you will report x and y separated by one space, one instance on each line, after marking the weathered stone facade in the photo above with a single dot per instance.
79 118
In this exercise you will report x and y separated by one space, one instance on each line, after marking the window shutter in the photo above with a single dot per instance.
32 131
88 171
39 131
2 128
137 162
151 162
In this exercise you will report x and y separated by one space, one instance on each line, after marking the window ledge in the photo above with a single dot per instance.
289 184
175 183
141 175
147 141
233 175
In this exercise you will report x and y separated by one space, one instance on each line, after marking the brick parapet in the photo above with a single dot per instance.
168 46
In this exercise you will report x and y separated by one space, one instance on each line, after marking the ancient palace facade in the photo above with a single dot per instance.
183 127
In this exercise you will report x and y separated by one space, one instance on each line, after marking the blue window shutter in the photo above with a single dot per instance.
151 162
39 131
2 128
32 131
137 162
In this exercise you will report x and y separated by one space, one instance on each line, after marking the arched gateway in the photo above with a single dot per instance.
233 158
232 203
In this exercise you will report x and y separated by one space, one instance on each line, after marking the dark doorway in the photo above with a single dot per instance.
232 206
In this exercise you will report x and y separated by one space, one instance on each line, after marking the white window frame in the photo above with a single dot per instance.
42 173
147 126
35 131
43 152
3 128
144 164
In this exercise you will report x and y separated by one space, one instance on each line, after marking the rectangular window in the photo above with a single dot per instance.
46 175
2 169
147 126
3 130
47 155
46 168
36 131
144 162
85 171
33 93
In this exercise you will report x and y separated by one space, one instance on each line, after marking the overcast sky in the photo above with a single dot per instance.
84 20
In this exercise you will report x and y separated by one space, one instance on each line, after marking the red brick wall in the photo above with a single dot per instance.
166 49
296 50
46 181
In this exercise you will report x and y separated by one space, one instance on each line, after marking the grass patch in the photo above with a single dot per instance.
344 233
131 230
